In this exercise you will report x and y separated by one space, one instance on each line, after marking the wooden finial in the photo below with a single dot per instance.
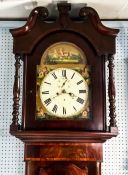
64 9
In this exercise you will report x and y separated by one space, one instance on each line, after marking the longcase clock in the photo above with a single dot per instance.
64 91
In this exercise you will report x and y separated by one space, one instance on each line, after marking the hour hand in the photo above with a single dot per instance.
71 94
64 83
57 94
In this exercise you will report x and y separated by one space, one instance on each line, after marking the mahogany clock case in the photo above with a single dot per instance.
98 85
95 40
68 146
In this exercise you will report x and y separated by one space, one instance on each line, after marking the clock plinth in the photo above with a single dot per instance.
64 91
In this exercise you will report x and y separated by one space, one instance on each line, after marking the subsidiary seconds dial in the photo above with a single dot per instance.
64 92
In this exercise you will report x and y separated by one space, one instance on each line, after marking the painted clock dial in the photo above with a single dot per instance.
64 92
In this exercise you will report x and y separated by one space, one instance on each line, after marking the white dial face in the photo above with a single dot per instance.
64 92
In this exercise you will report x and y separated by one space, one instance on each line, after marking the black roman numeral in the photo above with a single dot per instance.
79 82
74 108
48 101
80 100
64 111
64 73
55 108
82 91
73 75
54 75
45 92
47 83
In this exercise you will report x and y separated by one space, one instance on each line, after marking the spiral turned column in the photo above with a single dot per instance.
16 95
111 93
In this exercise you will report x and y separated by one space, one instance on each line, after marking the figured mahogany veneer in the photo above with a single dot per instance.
69 169
63 152
64 168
